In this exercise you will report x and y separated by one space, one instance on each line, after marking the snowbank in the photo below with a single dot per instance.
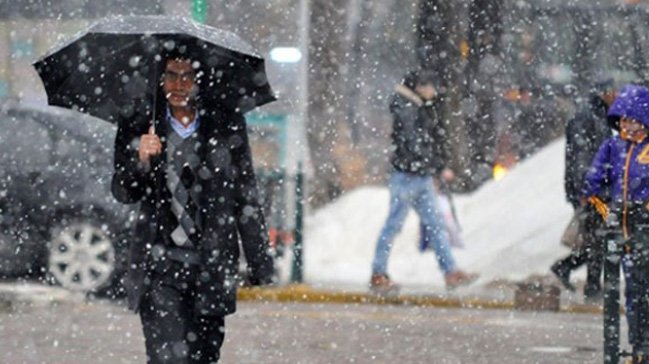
511 229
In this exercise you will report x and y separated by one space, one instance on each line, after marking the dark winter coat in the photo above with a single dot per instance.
584 134
623 165
229 207
418 134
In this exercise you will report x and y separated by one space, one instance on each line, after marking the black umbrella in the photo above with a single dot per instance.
119 60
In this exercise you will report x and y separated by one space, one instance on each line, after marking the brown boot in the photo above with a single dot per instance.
459 278
382 284
640 359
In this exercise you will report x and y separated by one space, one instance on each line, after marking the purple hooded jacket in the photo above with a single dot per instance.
608 171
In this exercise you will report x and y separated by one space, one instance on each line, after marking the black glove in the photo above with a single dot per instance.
261 279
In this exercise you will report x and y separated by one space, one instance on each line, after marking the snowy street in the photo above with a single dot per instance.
104 332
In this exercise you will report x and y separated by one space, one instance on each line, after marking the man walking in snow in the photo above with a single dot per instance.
584 134
416 135
192 175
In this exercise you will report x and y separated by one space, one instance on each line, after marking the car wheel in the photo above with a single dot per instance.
81 256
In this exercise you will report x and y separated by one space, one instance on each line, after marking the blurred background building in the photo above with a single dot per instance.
513 70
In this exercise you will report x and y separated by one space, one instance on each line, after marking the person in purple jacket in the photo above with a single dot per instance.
622 165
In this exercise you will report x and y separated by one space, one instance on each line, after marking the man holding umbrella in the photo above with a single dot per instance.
195 181
182 152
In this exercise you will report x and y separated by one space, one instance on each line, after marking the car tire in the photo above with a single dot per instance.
81 255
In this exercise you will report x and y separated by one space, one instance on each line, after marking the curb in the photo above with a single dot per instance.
20 295
587 309
6 302
306 294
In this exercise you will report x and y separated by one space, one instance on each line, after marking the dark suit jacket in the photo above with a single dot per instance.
229 206
584 135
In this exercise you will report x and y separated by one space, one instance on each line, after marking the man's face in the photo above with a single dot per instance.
178 82
609 96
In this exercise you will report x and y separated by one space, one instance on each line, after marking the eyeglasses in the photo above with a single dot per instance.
183 77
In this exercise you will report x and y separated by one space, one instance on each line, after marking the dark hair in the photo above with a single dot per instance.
603 84
425 77
172 49
421 77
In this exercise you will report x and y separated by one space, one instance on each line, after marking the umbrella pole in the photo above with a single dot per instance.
155 92
155 219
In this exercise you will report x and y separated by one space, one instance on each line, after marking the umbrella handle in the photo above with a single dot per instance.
155 93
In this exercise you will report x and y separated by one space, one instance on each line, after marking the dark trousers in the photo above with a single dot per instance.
173 332
635 265
591 252
636 274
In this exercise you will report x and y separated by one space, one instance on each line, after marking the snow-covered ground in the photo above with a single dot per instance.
511 229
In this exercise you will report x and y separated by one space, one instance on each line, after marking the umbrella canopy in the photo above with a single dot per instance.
119 60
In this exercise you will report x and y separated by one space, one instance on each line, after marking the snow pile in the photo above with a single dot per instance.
511 229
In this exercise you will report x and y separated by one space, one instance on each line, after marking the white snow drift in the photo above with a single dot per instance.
511 229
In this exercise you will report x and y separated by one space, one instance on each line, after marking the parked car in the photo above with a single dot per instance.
58 219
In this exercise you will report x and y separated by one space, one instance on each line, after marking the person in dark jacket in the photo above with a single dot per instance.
621 166
417 137
584 134
192 174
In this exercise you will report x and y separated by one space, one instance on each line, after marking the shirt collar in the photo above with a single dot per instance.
179 128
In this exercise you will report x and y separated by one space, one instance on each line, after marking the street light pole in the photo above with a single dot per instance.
199 10
303 106
303 113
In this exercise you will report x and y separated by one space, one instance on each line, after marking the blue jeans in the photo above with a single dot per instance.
417 191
